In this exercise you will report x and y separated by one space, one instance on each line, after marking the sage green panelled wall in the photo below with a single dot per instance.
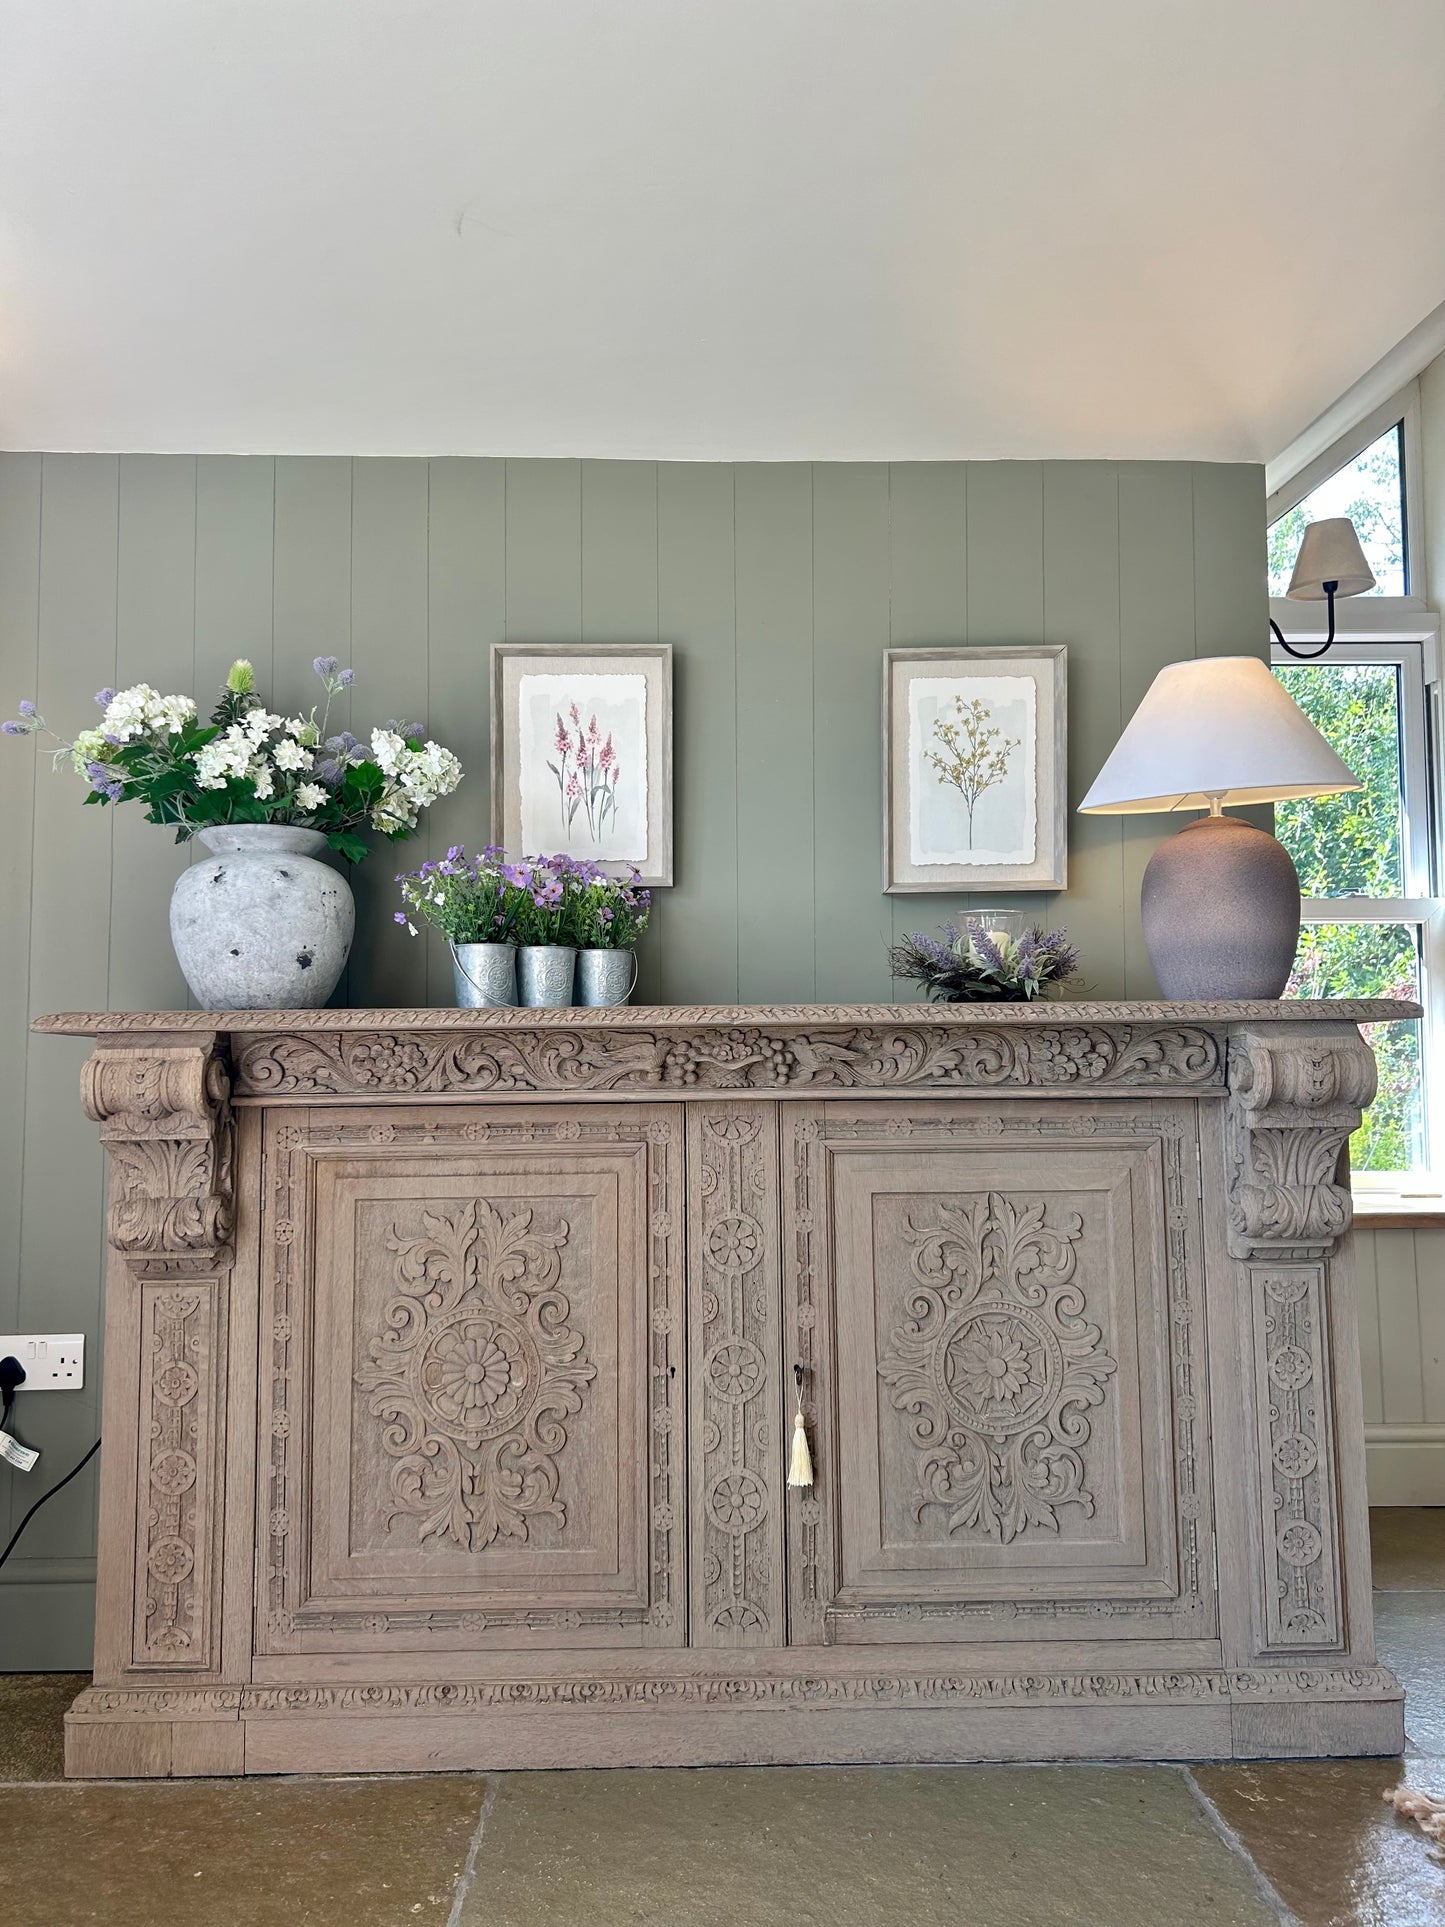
779 588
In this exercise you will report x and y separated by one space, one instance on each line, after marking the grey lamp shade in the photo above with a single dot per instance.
1330 552
1216 726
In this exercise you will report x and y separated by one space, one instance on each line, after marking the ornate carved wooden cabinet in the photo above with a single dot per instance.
449 1384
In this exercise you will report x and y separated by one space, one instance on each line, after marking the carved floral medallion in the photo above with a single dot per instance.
997 1365
475 1375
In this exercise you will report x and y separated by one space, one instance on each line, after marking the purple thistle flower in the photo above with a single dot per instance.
346 677
105 697
326 666
27 708
115 791
407 731
13 729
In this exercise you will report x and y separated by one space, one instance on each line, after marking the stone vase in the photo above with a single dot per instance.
605 977
544 974
485 975
261 924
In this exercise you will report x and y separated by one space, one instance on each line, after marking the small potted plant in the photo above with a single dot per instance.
997 957
263 925
471 902
609 916
543 903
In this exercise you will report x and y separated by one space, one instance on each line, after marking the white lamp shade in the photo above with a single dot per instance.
1330 552
1217 726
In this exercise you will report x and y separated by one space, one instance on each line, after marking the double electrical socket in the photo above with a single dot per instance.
53 1361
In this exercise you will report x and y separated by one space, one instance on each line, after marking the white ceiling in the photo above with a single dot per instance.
710 228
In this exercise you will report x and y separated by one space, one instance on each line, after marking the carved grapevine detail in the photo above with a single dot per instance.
997 1366
475 1375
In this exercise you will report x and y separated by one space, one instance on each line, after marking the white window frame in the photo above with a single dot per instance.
1382 630
1402 407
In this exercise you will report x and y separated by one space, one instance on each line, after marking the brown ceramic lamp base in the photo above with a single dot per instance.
1221 909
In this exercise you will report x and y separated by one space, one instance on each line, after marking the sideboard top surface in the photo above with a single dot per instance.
652 1018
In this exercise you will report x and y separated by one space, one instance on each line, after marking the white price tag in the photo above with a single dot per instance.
16 1454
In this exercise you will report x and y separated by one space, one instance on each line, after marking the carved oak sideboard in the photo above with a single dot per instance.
449 1386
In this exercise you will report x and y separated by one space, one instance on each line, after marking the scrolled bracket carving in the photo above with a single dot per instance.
1294 1100
164 1113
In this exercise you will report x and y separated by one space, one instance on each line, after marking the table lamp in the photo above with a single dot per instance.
1221 901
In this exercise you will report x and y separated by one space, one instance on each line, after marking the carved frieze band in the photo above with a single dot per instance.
180 1339
1299 1554
1295 1097
789 1057
165 1118
734 1346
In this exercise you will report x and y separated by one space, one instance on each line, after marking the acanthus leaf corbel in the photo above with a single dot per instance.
1294 1099
164 1111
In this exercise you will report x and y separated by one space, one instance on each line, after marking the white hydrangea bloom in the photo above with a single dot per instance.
260 774
143 711
312 796
174 713
288 754
227 755
258 723
387 750
89 746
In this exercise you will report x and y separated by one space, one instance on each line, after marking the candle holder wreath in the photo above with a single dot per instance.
987 957
262 924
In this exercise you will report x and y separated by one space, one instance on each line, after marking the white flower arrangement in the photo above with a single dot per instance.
250 765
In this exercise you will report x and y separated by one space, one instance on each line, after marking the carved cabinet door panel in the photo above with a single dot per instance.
1002 1318
472 1393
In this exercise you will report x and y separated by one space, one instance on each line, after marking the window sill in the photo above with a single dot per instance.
1388 1217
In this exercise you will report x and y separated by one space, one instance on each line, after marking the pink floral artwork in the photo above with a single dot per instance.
582 765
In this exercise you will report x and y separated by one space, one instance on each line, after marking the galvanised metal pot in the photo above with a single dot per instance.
605 977
485 975
544 974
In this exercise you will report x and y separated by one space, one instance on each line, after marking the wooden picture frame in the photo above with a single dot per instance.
975 769
571 782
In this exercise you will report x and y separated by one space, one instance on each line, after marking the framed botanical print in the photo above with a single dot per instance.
975 761
582 754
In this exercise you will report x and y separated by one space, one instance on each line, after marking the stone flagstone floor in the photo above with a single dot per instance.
1305 1843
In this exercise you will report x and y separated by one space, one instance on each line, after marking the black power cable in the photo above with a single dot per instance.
12 1376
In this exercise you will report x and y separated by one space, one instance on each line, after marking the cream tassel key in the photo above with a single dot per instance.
800 1463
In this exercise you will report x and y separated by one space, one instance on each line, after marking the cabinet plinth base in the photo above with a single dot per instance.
733 1720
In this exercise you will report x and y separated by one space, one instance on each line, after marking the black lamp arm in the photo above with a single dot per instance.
1313 653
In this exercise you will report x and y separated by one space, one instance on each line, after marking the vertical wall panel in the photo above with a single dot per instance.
696 615
1156 625
852 931
1399 1302
544 551
155 643
927 607
774 578
1081 610
619 605
1430 1286
61 1245
235 517
466 596
1367 1296
389 654
1231 606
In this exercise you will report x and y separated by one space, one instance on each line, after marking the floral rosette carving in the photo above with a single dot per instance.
997 1366
475 1375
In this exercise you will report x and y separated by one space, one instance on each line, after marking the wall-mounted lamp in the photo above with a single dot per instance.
1330 563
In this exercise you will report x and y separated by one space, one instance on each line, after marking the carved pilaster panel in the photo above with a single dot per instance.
1299 1553
1295 1097
178 1475
164 1114
734 1347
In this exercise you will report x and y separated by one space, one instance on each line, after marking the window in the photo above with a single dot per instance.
1370 489
1372 926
